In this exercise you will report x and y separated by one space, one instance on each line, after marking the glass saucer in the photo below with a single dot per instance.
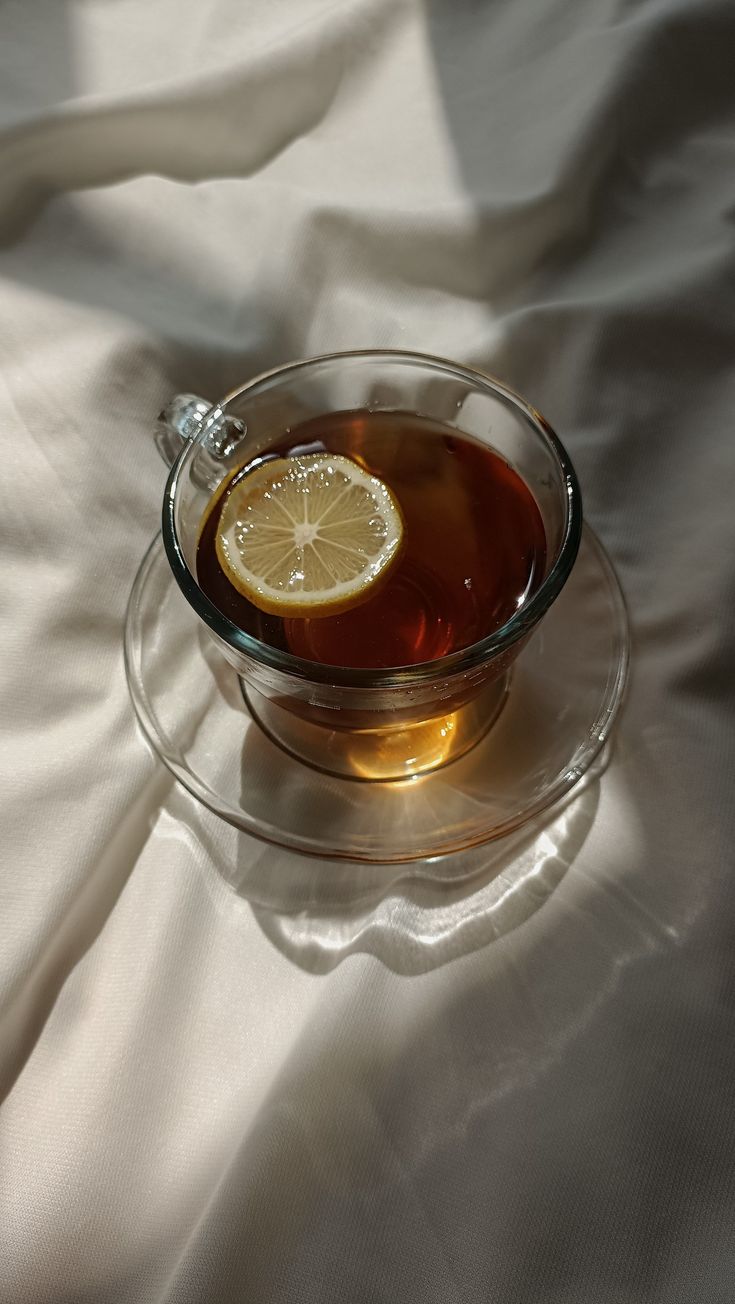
564 693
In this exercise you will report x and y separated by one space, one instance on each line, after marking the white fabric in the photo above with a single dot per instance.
207 1101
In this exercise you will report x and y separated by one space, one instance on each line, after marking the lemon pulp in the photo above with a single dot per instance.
309 535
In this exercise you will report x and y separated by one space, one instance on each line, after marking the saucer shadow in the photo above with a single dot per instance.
413 916
417 916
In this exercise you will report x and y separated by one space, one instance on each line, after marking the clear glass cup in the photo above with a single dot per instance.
368 724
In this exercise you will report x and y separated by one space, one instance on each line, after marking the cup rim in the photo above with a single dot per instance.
406 677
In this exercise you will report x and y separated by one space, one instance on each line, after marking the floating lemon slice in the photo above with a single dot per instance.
308 536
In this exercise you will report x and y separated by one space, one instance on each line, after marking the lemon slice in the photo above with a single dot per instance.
308 536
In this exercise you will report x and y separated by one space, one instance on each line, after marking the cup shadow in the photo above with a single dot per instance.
443 910
413 916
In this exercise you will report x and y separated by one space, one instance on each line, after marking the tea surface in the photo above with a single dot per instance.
474 545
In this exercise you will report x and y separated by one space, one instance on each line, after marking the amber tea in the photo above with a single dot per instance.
474 547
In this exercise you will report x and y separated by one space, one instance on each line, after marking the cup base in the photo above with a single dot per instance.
383 754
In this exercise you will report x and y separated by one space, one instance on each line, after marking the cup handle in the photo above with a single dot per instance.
182 420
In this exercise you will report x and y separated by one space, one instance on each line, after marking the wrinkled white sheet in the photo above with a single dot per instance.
204 1100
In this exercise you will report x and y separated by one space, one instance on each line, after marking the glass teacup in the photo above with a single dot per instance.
362 723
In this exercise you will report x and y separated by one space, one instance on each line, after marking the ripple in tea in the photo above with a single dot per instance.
474 545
